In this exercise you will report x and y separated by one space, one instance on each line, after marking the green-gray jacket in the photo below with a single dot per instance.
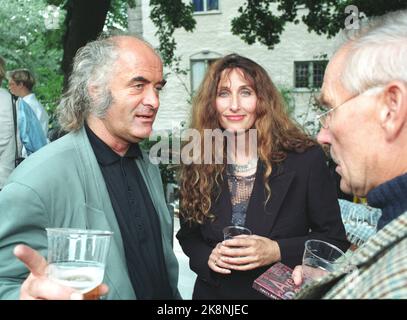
61 185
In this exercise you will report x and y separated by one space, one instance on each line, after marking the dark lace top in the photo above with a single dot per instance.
240 189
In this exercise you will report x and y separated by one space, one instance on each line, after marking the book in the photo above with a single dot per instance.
276 282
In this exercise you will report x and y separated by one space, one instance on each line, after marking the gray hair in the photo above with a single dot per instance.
93 66
378 53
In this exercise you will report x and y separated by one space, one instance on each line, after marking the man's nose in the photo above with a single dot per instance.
151 99
324 136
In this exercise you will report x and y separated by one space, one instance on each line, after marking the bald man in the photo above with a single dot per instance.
95 177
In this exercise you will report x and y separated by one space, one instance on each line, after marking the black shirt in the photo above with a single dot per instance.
136 217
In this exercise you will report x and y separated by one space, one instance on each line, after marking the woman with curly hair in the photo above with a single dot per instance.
282 190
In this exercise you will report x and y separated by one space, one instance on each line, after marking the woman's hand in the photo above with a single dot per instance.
215 262
248 252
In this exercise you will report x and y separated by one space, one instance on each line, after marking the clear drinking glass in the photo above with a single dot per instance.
320 258
77 258
233 231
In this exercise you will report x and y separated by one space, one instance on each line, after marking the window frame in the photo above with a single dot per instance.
206 57
311 83
205 8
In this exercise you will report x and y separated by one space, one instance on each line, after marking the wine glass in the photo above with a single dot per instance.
77 257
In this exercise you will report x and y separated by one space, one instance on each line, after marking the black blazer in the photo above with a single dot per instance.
303 206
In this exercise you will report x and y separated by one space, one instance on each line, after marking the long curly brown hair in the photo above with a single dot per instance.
276 134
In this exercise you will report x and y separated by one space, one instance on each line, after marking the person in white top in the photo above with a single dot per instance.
7 140
21 82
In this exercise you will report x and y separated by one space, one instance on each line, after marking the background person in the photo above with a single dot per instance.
21 83
7 137
285 198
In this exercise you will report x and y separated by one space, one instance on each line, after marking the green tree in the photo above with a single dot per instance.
26 42
85 20
168 16
259 21
256 20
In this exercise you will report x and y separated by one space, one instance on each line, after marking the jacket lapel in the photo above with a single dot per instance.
260 215
222 209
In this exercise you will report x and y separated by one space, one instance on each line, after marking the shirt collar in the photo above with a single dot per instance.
104 154
29 96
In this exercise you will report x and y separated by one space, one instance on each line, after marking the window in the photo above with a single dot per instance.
199 65
198 69
309 74
205 5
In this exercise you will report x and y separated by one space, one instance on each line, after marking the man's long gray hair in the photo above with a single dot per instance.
92 68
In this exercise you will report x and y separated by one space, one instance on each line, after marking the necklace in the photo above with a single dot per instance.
238 168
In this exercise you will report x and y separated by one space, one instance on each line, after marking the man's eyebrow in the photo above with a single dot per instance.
139 79
162 82
144 80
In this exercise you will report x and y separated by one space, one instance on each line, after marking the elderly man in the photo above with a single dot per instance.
95 177
365 125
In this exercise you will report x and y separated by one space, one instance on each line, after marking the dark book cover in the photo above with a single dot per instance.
276 282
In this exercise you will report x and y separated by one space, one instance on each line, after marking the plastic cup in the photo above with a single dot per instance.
233 231
77 257
321 258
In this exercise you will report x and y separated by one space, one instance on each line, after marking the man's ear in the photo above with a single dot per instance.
93 91
393 113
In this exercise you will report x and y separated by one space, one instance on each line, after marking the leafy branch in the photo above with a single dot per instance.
168 16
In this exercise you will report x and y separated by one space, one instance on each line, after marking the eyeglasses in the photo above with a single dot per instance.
325 118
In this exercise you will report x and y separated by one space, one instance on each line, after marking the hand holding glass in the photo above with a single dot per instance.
320 258
77 257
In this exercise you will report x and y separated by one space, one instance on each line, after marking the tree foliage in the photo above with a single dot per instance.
259 21
84 22
168 16
256 20
25 42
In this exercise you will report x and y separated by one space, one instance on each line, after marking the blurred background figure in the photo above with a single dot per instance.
7 139
21 83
